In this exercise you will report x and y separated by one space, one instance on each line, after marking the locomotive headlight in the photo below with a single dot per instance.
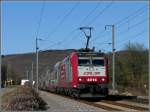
80 79
90 79
95 79
103 79
74 86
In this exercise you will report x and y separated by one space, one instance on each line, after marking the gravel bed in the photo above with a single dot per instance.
58 103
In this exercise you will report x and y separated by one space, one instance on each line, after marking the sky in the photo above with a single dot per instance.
57 24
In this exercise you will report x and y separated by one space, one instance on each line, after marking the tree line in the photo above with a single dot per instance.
131 69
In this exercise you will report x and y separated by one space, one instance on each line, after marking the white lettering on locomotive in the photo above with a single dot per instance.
85 71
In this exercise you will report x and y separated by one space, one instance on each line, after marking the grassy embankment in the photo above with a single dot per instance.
22 98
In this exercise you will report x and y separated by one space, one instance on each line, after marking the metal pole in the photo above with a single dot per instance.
149 65
27 73
0 71
37 64
113 58
32 75
149 73
7 72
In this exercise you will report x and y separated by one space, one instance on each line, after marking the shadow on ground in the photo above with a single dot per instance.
111 98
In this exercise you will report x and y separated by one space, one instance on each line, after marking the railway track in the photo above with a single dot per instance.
139 108
114 106
109 105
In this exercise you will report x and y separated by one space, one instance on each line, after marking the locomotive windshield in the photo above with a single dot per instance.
83 62
98 62
91 62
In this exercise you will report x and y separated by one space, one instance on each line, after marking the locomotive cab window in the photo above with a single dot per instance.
98 62
83 62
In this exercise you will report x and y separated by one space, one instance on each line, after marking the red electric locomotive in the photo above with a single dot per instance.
81 74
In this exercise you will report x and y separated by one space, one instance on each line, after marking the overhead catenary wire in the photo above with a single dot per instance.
40 20
131 27
83 20
37 34
122 33
134 26
133 15
100 13
90 13
62 21
121 21
93 20
60 43
54 44
67 41
133 37
71 40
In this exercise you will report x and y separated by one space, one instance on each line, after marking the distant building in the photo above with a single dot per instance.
23 81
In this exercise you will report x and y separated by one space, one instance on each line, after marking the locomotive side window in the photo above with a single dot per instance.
83 62
56 73
66 70
70 70
98 62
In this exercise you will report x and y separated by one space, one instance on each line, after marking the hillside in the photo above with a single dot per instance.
18 64
131 67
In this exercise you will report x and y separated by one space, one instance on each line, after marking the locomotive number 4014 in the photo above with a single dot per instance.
91 73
